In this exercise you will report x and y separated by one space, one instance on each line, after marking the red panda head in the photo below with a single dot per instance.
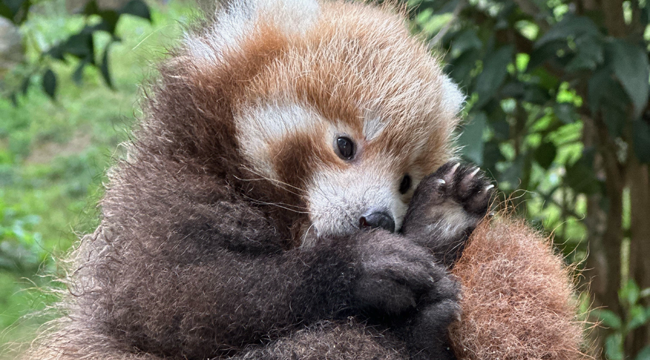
333 100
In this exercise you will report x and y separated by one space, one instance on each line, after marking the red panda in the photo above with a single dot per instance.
292 193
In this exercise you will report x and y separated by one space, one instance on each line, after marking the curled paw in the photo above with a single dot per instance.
446 207
396 273
464 184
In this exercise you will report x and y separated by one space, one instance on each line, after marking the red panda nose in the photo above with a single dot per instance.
377 219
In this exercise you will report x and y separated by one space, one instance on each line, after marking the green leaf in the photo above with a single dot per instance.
545 52
49 83
471 139
81 45
492 155
614 117
590 54
466 40
104 67
513 89
543 78
109 21
6 12
581 178
630 64
15 11
570 26
565 112
638 317
493 74
614 347
598 84
536 95
545 154
56 52
90 8
501 129
137 8
460 68
608 318
644 354
512 175
641 138
77 76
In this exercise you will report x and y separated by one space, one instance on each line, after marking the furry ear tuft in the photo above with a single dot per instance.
237 20
452 98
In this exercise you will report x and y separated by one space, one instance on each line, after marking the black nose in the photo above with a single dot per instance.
377 219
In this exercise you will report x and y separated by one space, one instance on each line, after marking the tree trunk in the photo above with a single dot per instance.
604 222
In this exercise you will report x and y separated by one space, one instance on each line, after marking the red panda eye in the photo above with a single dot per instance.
345 147
405 185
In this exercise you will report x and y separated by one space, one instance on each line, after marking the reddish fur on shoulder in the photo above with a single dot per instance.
518 301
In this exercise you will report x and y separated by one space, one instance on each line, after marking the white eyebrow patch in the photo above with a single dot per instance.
261 125
372 126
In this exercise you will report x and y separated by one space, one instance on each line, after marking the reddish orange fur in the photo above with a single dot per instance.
518 300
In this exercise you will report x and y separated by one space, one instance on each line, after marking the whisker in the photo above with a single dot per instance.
283 184
279 205
304 236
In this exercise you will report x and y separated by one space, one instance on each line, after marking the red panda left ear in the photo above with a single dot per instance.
238 20
452 98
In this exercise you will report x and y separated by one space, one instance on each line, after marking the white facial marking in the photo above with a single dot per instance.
267 123
241 18
338 198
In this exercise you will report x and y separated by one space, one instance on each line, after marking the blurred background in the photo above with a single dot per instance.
557 113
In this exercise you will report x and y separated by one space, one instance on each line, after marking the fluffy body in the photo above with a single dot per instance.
233 227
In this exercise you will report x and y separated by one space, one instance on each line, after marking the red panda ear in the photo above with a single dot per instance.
235 21
452 98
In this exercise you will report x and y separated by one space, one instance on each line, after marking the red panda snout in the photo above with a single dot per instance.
366 194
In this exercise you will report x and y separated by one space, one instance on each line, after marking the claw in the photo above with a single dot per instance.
450 174
441 181
474 172
487 188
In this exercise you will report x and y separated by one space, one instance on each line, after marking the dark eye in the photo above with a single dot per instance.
405 185
346 148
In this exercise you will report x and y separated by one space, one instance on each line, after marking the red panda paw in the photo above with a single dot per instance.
466 185
446 207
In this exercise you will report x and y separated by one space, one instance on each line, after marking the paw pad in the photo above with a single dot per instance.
463 184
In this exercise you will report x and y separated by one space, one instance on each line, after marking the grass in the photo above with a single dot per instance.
54 155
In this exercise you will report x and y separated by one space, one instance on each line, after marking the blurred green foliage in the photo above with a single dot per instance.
635 316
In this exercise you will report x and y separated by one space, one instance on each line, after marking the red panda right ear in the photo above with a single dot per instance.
452 98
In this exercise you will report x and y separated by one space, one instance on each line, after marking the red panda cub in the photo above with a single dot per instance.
291 193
